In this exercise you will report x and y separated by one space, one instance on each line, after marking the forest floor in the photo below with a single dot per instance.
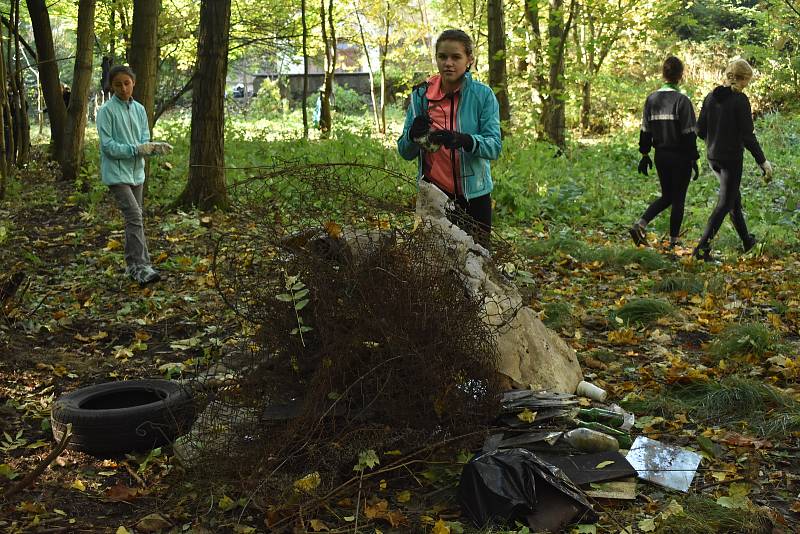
688 347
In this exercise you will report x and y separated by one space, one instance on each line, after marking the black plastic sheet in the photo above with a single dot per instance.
504 486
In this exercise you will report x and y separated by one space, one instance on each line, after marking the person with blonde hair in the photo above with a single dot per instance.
726 125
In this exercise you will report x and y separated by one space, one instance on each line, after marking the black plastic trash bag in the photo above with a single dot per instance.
504 486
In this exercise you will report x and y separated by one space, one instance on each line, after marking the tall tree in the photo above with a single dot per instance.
206 185
143 57
305 66
496 36
554 104
71 156
5 119
48 73
329 42
599 25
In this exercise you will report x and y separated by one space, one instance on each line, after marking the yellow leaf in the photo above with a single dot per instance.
318 525
333 229
226 503
647 525
308 483
100 335
527 416
78 485
604 464
404 496
122 530
440 528
113 244
383 484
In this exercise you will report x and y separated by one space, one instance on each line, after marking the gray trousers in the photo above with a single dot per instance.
129 199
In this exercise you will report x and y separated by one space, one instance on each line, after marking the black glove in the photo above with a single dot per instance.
420 126
452 139
695 170
644 164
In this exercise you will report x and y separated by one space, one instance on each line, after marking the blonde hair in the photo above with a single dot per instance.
738 67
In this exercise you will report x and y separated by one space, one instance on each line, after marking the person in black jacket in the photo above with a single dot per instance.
668 124
726 125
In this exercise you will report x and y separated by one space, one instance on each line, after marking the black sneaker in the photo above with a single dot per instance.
750 242
638 234
702 253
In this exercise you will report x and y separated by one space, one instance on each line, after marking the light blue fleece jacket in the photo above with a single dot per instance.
478 115
122 127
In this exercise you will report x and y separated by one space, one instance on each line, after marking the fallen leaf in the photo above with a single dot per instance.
226 503
152 523
318 525
604 464
440 527
647 525
78 485
377 510
308 483
527 416
122 530
404 496
121 492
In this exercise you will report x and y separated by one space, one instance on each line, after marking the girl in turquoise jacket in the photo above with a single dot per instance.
124 142
452 127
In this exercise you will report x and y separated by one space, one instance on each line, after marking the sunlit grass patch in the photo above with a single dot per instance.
557 315
552 246
702 515
642 311
733 401
680 283
744 338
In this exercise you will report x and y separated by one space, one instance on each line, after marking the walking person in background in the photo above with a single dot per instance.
668 125
726 125
453 128
124 142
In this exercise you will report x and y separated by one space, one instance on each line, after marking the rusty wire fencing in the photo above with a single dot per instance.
357 333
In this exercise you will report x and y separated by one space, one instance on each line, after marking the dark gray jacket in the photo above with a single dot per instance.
726 124
668 123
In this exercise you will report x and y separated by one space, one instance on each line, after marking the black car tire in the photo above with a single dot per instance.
125 416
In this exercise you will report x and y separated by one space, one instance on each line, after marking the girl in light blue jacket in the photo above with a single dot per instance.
453 128
124 142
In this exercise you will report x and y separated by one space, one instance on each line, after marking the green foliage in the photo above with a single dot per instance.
267 103
346 100
744 338
642 311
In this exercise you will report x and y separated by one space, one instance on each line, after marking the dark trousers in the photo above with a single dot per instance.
729 201
674 172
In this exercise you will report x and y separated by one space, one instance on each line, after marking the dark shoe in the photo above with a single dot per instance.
638 234
673 244
750 242
143 274
702 253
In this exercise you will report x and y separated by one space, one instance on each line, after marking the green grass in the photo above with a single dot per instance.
743 339
702 515
680 283
557 315
642 311
734 401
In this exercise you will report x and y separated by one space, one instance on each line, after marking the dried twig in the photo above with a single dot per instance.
33 475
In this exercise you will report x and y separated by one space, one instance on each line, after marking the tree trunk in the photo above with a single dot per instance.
205 188
22 127
498 80
305 67
554 108
71 157
384 49
48 71
371 73
329 41
144 60
5 116
586 104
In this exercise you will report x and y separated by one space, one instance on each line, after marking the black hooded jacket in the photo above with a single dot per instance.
726 124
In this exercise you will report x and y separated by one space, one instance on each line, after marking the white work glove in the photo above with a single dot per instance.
154 148
766 168
161 148
146 149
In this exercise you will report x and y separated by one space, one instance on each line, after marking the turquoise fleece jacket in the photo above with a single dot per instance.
479 116
122 127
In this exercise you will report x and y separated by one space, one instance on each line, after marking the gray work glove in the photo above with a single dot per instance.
154 148
766 168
